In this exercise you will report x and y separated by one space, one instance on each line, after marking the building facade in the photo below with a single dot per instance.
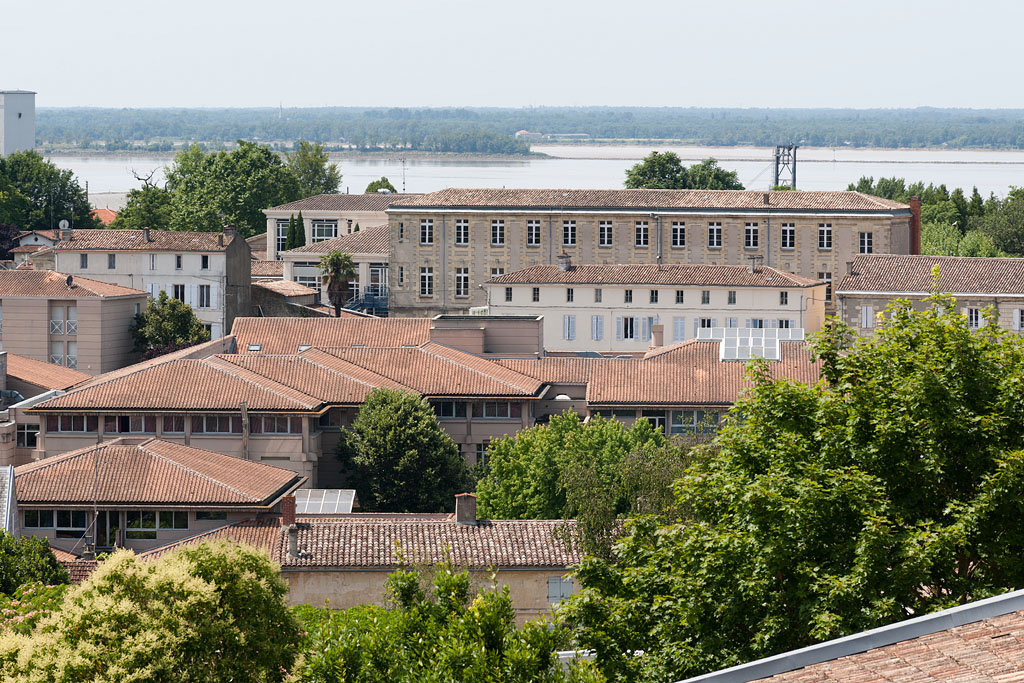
482 233
208 271
17 121
369 251
618 308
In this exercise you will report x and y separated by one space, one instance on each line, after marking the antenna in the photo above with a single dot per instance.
68 281
785 159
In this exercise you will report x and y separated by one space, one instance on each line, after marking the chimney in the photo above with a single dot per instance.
145 235
657 335
220 240
564 262
65 232
288 511
767 199
849 267
465 508
293 541
915 225
229 229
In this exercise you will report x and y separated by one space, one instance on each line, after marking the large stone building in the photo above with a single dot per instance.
440 237
17 121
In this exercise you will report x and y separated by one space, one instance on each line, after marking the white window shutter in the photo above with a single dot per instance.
696 326
565 327
746 323
1016 319
678 329
618 328
215 331
213 296
152 289
774 323
636 326
572 327
190 295
714 322
645 331
600 327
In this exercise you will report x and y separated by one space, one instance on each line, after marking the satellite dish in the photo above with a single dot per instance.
63 224
69 281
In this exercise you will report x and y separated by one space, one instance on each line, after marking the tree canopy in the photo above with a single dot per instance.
148 206
336 270
312 168
399 459
36 195
166 325
665 171
27 559
878 494
382 184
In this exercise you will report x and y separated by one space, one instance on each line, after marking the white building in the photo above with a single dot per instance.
209 271
17 121
615 308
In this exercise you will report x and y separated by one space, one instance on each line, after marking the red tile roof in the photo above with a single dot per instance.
48 234
40 374
375 201
373 240
568 200
134 240
283 335
106 216
151 472
651 274
261 268
285 287
913 274
51 284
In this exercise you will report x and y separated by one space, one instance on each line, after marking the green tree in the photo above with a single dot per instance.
146 207
880 493
311 166
300 231
337 270
665 171
399 458
37 195
708 175
27 559
382 184
205 613
166 325
434 633
1004 224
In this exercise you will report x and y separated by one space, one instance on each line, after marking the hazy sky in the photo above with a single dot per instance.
799 53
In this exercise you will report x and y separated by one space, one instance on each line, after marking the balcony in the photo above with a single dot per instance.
373 300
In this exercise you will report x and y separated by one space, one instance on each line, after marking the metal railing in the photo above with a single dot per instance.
57 359
56 327
71 327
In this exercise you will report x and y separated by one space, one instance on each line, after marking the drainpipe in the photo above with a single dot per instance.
444 260
550 237
658 253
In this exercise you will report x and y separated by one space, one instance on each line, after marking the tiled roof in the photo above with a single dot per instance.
285 287
106 216
374 201
382 543
568 200
650 274
261 268
48 234
557 369
957 274
27 248
79 569
40 374
51 284
214 346
151 472
373 240
283 335
132 240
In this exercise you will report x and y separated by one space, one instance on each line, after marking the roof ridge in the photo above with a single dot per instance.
212 362
350 377
103 382
423 348
143 446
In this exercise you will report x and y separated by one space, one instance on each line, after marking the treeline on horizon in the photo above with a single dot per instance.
491 130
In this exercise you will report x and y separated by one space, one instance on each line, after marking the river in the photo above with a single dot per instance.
604 166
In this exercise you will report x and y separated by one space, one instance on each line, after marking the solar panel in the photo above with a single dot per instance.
324 501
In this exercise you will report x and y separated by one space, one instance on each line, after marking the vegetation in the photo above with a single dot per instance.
435 633
148 206
398 457
166 325
382 184
665 171
27 559
204 613
296 235
337 270
28 605
313 170
878 494
36 195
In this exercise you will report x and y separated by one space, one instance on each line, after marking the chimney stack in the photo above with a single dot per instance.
767 199
465 508
220 240
145 235
229 229
288 511
915 225
293 541
849 267
657 336
65 232
564 262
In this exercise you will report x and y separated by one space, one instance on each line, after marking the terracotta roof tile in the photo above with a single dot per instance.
651 274
214 346
285 288
283 335
261 268
51 284
957 274
40 374
106 216
151 472
569 200
48 234
80 570
374 240
132 240
344 202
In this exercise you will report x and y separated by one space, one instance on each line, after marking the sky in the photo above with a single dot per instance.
311 53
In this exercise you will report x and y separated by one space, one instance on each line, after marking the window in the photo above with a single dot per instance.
785 324
83 261
789 236
533 233
179 292
656 418
535 295
254 347
867 242
569 233
973 318
57 352
569 327
72 358
641 234
597 327
211 516
71 523
678 235
714 235
426 281
461 283
141 524
627 296
27 436
508 295
497 233
276 424
628 327
481 454
450 410
706 323
38 519
827 279
216 424
152 261
401 276
731 323
732 297
755 323
693 422
461 231
678 329
401 231
324 229
495 272
750 236
570 294
598 294
427 231
204 262
654 296
281 235
824 236
679 296
604 234
129 424
173 519
177 261
111 261
705 297
559 588
57 320
867 317
174 424
204 296
783 298
497 410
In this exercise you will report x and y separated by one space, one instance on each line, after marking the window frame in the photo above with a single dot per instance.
866 242
426 231
605 233
751 236
641 234
426 281
533 233
462 232
497 232
319 227
824 236
462 283
568 233
788 236
715 235
678 234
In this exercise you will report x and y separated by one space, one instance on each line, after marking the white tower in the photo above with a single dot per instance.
17 121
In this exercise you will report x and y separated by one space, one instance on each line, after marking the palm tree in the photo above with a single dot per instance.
336 271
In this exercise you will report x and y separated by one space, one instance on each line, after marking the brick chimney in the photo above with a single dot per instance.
288 511
465 508
915 225
657 336
145 235
564 262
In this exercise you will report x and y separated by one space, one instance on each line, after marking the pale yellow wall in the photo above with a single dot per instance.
365 219
1008 309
